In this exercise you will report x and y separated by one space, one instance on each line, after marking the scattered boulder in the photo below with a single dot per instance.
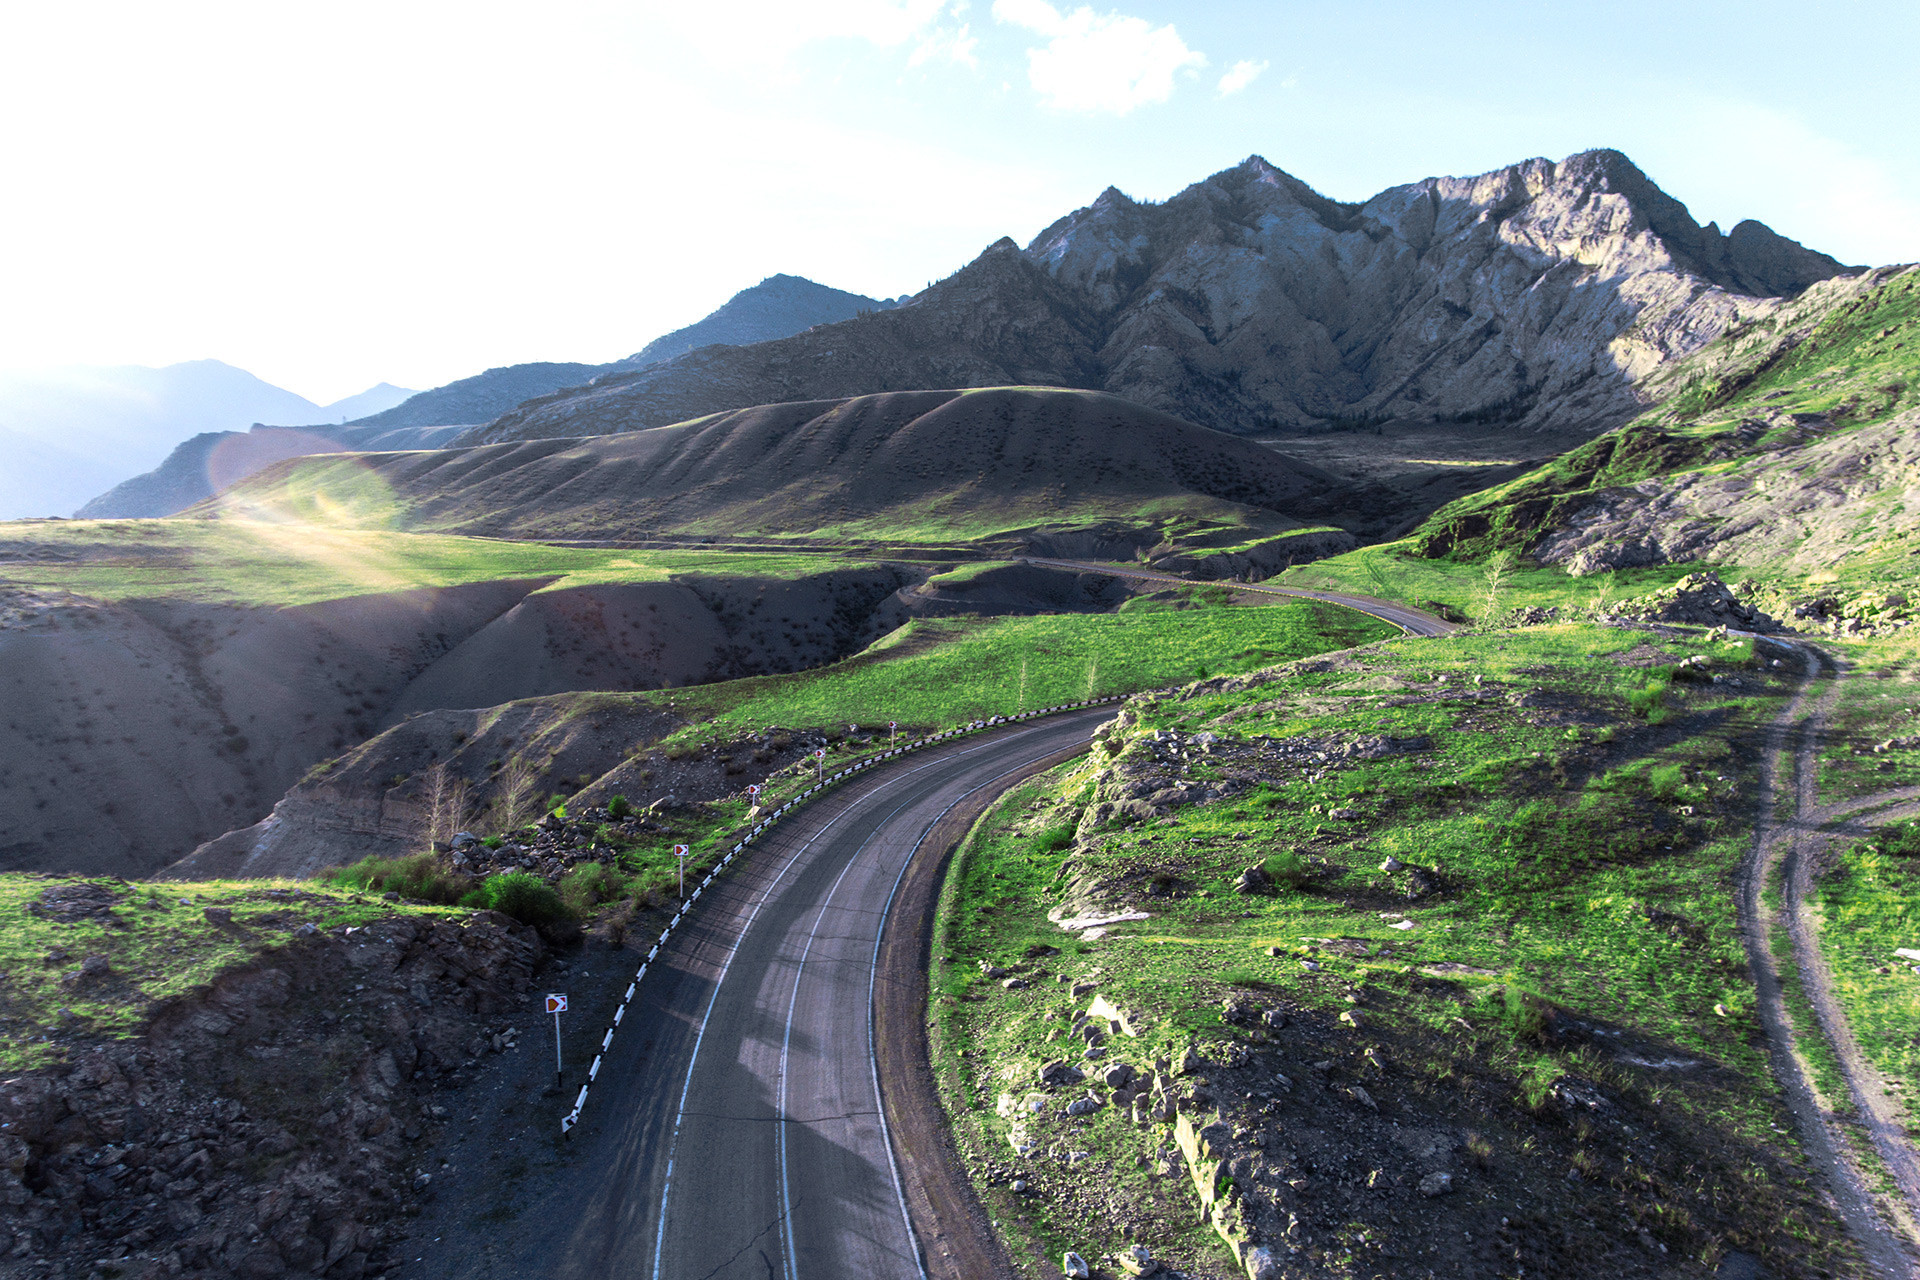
1059 1073
1237 1012
1136 1261
1074 1267
1263 1264
1438 1183
1254 880
1575 1094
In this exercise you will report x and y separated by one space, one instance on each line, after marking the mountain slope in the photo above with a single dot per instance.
1793 443
391 418
913 465
778 306
1539 296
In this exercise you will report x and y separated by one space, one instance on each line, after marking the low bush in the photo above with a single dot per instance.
619 808
1054 838
590 885
527 898
1649 701
420 876
1288 869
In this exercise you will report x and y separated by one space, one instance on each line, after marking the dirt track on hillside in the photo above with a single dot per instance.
1787 844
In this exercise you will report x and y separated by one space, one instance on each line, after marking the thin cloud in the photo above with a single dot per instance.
1240 75
769 32
1098 63
954 45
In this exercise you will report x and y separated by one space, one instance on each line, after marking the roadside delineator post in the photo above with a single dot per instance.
680 852
556 1005
893 734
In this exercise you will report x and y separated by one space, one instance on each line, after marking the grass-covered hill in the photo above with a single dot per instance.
920 465
1417 959
1791 443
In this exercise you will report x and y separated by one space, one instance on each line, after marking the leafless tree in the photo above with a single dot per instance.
513 796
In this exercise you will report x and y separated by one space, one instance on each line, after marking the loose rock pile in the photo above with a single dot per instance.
1701 599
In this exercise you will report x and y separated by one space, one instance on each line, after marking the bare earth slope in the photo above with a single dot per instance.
134 732
1540 294
965 463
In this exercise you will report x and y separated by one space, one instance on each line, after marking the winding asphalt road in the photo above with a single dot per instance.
736 1130
1415 622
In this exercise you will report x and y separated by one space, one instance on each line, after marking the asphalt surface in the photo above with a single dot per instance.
735 1131
1417 622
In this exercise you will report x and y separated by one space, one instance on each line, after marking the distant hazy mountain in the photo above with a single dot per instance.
66 434
390 418
778 307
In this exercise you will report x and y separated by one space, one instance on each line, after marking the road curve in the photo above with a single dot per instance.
736 1130
1417 622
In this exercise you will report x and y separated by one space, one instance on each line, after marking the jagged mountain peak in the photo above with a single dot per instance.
1538 296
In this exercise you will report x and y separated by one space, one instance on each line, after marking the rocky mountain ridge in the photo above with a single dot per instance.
1540 297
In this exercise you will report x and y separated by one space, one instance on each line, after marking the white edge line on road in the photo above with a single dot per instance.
666 1188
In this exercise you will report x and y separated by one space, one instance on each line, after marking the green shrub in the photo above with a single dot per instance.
1515 1010
1649 701
527 898
1665 781
618 808
1054 838
589 885
420 876
557 803
1287 868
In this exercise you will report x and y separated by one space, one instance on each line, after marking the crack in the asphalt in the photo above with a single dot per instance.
751 1244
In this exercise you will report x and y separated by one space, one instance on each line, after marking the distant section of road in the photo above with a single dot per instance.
1416 622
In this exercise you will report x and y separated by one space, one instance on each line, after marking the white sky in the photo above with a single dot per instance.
330 195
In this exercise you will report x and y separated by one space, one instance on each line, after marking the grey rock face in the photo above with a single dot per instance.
1801 510
1539 295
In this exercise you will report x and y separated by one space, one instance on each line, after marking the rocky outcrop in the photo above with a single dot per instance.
276 1123
1700 599
1540 295
1801 509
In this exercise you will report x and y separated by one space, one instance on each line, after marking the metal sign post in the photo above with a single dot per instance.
893 734
819 765
556 1005
680 852
753 793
